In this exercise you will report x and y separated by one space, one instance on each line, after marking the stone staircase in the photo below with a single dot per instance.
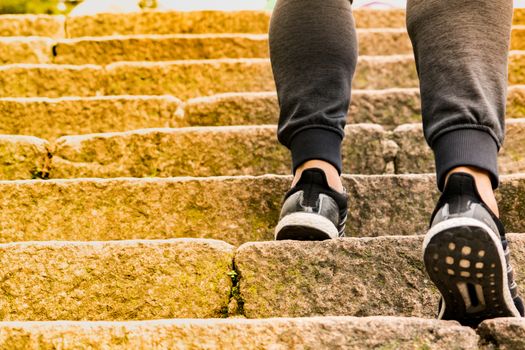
141 178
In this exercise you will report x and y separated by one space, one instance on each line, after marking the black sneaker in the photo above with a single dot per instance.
312 211
466 255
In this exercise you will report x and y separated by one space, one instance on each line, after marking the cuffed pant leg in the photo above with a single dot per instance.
461 50
313 50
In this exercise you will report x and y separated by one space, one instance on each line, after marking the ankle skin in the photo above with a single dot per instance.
332 175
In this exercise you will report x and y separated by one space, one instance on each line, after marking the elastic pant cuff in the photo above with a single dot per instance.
466 147
319 144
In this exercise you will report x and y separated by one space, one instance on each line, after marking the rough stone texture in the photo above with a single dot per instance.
233 109
368 18
206 151
26 50
116 209
383 72
29 80
277 334
414 156
127 280
389 107
23 157
503 334
384 41
156 22
353 277
516 102
519 16
518 38
161 48
187 79
517 67
32 25
52 118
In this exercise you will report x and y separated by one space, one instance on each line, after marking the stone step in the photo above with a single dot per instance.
122 209
127 280
52 118
351 277
503 333
196 22
206 151
278 333
184 79
106 50
251 150
227 150
196 78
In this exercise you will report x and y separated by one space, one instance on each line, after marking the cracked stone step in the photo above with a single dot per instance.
127 280
106 50
52 118
351 277
121 209
206 151
278 333
414 156
195 78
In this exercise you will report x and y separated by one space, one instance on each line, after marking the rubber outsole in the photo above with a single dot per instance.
305 227
465 260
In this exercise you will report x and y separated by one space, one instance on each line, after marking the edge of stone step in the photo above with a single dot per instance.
352 276
163 208
321 332
115 280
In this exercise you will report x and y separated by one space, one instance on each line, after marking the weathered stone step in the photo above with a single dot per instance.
106 50
206 151
233 209
278 333
251 150
228 150
194 78
127 280
52 118
184 79
352 277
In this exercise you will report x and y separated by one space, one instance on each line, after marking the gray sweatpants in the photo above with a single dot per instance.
461 49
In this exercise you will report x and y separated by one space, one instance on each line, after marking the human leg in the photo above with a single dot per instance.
313 50
461 49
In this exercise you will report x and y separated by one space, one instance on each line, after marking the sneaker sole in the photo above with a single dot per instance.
305 227
465 260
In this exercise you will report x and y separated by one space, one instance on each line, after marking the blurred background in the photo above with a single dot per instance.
65 6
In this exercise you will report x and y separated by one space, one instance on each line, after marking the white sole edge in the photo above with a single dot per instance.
458 222
309 220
